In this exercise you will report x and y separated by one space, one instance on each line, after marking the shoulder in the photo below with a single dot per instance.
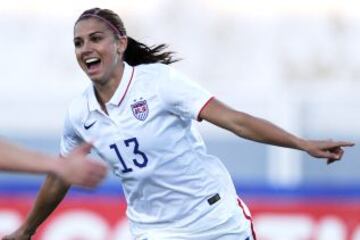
79 107
149 77
154 70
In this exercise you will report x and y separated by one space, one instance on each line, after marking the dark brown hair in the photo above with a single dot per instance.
136 52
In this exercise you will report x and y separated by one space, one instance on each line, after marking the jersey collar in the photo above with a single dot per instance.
124 85
119 94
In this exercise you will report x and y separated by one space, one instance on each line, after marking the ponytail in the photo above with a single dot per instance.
138 53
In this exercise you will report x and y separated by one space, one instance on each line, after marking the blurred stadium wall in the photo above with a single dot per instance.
295 63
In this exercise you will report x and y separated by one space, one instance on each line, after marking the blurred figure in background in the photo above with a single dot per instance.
142 109
75 169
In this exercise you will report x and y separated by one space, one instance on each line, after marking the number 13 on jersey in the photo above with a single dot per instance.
140 160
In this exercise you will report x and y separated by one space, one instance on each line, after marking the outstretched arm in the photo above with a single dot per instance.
75 169
260 130
15 158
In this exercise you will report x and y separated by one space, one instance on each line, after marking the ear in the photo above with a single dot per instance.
121 45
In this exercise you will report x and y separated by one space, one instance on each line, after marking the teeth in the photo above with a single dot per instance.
91 60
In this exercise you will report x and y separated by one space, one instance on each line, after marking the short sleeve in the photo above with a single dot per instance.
181 95
69 139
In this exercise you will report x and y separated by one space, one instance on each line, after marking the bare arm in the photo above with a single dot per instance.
50 195
260 130
14 158
75 169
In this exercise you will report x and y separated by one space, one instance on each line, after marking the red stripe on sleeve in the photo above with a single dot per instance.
203 107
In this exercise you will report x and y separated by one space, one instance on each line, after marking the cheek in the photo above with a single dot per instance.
78 59
110 57
110 49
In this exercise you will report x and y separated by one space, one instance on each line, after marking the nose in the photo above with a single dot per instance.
85 49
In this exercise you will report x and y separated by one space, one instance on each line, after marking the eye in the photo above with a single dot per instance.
96 38
77 43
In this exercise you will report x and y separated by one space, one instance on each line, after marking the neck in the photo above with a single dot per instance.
106 89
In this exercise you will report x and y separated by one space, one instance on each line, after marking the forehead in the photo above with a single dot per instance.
87 26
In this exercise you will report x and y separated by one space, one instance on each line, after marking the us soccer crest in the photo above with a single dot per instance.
140 110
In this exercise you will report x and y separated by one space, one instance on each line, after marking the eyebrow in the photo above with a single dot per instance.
91 34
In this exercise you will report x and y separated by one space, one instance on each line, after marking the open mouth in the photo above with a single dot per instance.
92 63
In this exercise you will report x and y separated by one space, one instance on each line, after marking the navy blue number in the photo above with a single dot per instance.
136 151
125 168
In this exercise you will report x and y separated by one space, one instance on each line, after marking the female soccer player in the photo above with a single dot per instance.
75 169
138 112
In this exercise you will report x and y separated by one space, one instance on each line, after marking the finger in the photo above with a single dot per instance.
92 182
92 178
98 167
336 156
343 144
337 151
341 153
325 154
92 173
329 161
85 182
83 148
98 174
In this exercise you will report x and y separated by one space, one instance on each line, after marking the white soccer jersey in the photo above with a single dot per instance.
149 141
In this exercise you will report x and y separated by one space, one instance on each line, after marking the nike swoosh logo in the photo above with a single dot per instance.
89 126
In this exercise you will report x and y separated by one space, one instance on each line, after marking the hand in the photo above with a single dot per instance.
18 235
76 169
332 150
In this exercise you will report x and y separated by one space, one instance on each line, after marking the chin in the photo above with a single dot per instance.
97 80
